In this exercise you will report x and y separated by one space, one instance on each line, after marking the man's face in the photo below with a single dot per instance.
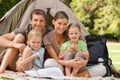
38 22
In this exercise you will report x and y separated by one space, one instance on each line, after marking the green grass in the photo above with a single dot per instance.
113 45
115 59
114 55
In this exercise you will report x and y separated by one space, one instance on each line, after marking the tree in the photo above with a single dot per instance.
67 2
5 5
98 15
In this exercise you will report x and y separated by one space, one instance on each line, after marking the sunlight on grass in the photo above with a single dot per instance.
115 59
113 54
113 45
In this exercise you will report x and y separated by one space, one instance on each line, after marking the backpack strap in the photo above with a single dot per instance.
113 68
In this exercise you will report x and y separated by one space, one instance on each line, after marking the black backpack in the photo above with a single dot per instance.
98 51
97 48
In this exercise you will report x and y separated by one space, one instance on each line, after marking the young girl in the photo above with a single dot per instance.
73 48
33 54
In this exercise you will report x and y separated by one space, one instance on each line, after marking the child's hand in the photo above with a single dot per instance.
75 48
69 49
28 50
20 65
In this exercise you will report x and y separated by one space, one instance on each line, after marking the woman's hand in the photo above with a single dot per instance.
76 63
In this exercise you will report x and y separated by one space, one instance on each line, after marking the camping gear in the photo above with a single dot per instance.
113 69
19 14
97 48
98 53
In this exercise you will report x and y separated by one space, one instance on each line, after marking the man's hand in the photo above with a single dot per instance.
19 46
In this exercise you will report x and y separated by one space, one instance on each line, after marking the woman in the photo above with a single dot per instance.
52 42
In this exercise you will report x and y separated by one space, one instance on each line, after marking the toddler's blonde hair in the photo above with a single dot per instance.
36 33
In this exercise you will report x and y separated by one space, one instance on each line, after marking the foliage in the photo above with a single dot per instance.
5 5
102 16
67 2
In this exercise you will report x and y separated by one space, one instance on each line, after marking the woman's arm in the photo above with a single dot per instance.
76 62
84 60
52 53
61 55
70 63
86 55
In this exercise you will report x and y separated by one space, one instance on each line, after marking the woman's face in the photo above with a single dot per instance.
60 25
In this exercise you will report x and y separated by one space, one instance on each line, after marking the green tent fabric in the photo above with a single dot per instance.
19 14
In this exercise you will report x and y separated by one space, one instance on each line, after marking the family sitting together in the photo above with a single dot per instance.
38 46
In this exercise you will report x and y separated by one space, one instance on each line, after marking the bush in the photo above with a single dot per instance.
112 37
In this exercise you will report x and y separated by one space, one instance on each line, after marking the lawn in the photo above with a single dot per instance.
114 53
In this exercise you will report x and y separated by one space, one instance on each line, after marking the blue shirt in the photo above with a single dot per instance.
39 61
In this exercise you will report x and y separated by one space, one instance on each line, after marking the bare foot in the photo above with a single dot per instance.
2 70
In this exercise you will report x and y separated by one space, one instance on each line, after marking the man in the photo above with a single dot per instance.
15 40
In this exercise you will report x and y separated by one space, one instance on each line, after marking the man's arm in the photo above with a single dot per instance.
6 40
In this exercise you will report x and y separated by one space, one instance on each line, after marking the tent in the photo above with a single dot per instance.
19 14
